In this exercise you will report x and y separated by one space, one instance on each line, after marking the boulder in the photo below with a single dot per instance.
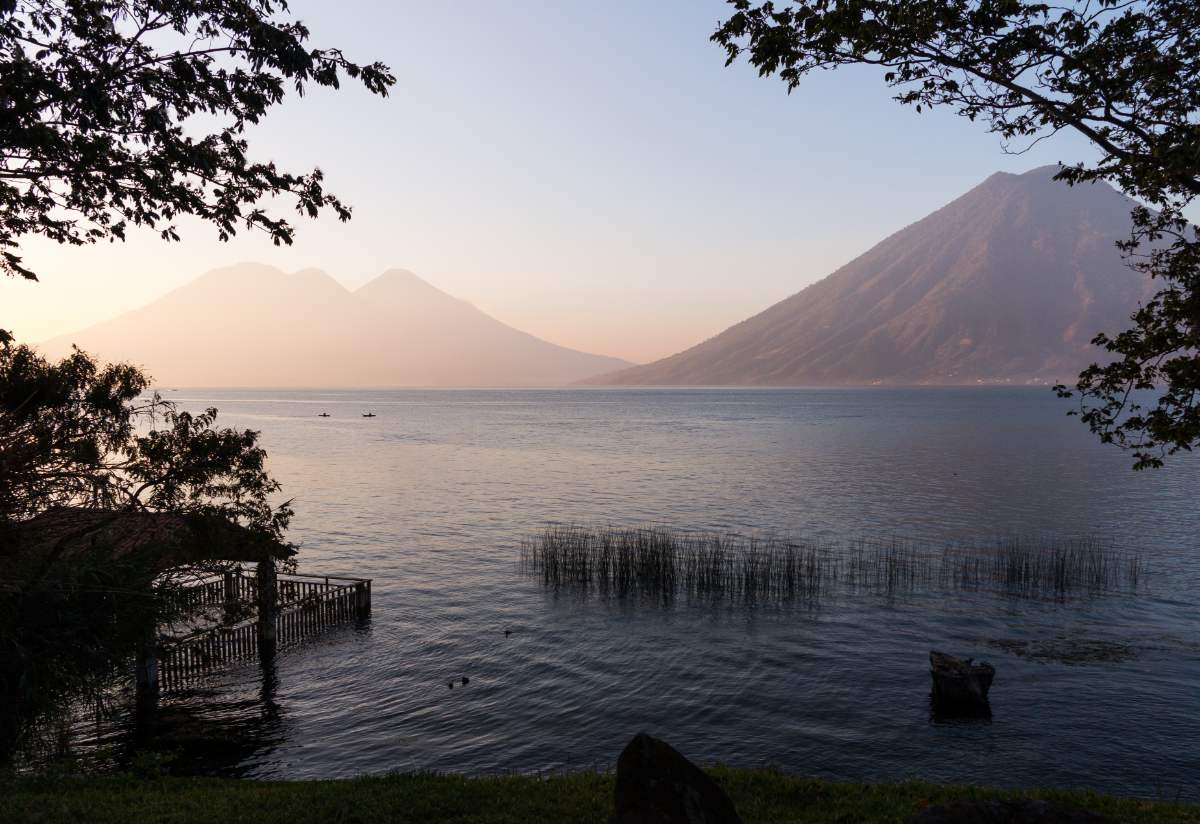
958 680
657 785
1012 811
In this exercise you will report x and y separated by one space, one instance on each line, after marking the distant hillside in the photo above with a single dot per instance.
1008 283
253 325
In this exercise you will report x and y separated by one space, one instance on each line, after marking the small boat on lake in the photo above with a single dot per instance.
368 414
323 415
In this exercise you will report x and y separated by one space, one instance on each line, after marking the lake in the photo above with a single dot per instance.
432 497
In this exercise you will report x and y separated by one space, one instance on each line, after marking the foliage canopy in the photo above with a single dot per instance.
80 434
1123 73
80 437
135 112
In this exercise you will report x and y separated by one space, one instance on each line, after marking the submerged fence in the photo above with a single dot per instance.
305 605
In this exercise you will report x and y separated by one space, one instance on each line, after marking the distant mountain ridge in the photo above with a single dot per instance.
254 325
1008 283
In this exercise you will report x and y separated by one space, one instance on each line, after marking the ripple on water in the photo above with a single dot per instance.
432 498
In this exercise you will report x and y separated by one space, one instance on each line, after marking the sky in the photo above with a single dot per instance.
591 173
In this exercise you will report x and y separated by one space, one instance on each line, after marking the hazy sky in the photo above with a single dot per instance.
588 172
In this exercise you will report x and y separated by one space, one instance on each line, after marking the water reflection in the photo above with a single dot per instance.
205 731
947 714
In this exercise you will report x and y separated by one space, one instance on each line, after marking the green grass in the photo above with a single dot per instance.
760 795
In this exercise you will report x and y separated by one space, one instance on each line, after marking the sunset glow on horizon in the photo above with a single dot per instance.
631 206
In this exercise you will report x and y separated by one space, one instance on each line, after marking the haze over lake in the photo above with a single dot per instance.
432 497
1006 284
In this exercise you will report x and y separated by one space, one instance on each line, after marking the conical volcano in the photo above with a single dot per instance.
1008 283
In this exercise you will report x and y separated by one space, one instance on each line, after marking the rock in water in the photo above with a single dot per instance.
958 681
657 785
1016 811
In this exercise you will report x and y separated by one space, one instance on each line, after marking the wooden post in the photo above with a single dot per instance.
146 686
267 609
362 592
231 592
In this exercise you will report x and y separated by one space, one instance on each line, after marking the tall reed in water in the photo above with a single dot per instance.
667 563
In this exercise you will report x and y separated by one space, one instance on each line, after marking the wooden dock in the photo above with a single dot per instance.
303 606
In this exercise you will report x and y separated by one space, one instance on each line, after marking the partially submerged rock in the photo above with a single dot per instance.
657 785
958 680
1011 811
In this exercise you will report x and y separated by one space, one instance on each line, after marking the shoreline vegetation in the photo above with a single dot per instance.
668 563
761 795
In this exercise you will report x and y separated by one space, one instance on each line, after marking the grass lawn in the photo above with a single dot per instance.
760 795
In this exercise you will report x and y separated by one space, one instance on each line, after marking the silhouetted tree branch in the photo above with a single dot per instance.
133 112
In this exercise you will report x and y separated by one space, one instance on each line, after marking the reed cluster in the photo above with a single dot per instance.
1037 568
667 563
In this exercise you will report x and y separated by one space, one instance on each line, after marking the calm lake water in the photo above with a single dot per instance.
432 497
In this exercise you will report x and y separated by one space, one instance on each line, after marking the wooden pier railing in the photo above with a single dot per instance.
305 605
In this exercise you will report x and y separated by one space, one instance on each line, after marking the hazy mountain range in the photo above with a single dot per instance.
1008 283
254 325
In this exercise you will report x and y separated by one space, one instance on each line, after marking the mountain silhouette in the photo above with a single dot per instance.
1008 283
254 325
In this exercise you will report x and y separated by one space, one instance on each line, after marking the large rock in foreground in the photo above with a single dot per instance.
1016 811
657 785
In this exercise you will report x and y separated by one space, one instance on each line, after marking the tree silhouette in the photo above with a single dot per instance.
134 112
86 459
1124 74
